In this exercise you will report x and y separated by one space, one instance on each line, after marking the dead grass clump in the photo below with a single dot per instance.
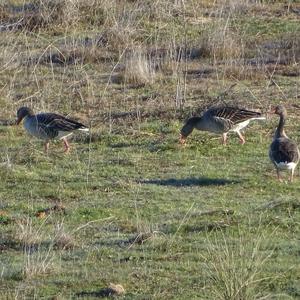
37 258
221 44
234 266
62 239
139 69
28 235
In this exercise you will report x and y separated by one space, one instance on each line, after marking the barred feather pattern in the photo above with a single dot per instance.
232 114
50 125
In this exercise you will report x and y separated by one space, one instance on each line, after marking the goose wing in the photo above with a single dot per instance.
55 122
233 115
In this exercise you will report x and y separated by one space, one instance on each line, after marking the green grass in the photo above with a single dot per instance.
267 27
151 184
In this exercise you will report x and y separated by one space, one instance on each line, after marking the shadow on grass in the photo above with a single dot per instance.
184 182
102 293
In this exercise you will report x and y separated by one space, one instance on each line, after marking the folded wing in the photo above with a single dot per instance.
234 115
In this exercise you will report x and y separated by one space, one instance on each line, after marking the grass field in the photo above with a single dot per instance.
129 205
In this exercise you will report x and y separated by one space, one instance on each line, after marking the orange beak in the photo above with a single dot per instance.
182 139
272 110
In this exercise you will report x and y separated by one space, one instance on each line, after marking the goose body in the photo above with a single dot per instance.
283 152
221 120
48 126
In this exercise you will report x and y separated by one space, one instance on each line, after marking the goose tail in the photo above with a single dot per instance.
84 129
258 118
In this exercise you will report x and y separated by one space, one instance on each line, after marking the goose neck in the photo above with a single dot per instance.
280 129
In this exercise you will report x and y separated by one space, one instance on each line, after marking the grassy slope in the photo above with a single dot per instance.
132 177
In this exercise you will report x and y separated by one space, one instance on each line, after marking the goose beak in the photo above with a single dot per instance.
272 110
18 121
182 139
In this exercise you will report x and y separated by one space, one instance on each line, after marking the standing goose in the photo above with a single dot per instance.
48 126
221 120
284 152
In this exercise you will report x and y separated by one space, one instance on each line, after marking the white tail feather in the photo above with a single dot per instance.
84 129
258 118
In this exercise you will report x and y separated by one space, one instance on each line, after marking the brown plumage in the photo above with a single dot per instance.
284 152
221 120
48 126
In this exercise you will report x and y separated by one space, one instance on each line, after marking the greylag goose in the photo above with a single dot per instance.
284 152
221 120
48 126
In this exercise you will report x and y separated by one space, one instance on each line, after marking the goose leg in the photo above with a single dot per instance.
224 138
46 147
292 175
242 139
182 140
278 176
67 146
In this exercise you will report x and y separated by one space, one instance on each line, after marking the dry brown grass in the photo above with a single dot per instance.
62 239
242 71
38 258
48 14
28 234
235 267
221 44
138 69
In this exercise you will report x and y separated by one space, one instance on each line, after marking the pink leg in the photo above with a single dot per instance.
46 147
242 139
67 146
182 140
292 175
278 176
224 138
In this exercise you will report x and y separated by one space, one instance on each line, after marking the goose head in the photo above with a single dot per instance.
187 129
22 113
280 110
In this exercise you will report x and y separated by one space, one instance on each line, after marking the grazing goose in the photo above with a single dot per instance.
284 153
48 126
221 120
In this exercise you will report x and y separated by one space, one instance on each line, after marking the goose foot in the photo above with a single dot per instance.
291 178
224 139
182 140
67 146
242 139
278 176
